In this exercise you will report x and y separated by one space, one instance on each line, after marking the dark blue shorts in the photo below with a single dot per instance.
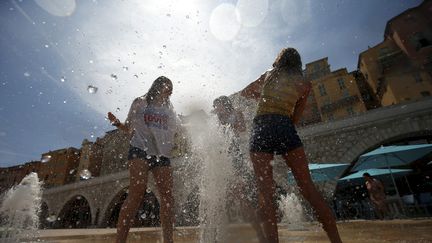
274 134
152 160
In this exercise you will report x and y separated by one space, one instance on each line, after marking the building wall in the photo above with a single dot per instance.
91 158
61 167
412 32
337 95
11 176
317 69
370 65
392 75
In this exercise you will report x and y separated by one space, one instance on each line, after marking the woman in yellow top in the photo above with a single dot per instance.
282 93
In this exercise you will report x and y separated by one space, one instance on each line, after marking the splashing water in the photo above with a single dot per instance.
46 158
85 174
19 210
210 147
92 89
292 209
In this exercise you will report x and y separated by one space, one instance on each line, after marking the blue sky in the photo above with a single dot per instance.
207 48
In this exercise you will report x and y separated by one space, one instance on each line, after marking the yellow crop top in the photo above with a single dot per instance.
279 94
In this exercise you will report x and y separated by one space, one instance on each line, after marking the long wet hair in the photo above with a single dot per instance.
288 59
225 102
156 88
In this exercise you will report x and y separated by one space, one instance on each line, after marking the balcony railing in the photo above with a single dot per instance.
339 104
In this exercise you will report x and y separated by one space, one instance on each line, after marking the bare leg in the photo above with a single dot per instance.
164 183
266 189
296 159
138 172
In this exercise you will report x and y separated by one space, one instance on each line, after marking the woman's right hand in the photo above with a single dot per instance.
113 119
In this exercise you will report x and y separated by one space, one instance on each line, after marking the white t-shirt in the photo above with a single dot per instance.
153 127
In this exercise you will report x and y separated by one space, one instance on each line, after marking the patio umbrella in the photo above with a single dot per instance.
391 156
358 176
322 172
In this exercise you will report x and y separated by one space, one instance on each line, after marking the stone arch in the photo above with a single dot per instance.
76 213
384 138
147 215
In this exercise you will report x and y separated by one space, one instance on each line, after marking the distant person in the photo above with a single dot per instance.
151 122
282 93
377 195
243 187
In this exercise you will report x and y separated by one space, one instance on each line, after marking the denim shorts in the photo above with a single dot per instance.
152 160
274 134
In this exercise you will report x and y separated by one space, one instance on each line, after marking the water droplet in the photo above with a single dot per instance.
164 46
148 190
26 74
71 171
91 61
51 218
136 75
62 79
85 174
143 216
46 45
118 109
64 101
125 68
120 156
148 157
114 77
92 89
45 158
79 197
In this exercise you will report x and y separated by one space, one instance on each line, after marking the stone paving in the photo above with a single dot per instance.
413 230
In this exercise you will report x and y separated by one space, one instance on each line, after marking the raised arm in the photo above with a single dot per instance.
116 122
253 90
305 89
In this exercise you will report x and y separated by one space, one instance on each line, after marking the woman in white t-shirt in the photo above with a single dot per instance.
151 122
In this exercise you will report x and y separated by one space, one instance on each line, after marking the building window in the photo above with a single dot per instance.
345 93
419 41
316 67
350 111
341 83
425 93
322 89
417 78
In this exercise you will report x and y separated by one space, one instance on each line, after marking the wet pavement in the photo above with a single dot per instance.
413 230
